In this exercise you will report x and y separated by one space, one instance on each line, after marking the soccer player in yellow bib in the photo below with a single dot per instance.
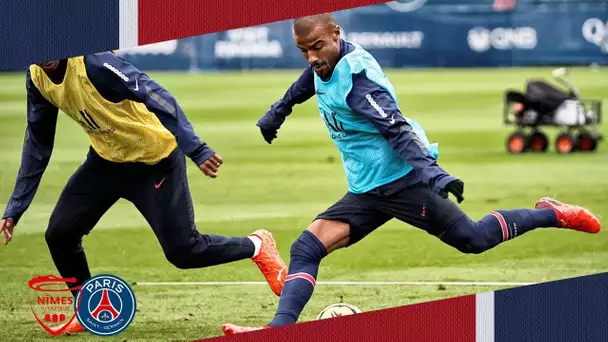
139 137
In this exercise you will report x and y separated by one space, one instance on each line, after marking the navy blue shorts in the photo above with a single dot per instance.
160 192
415 204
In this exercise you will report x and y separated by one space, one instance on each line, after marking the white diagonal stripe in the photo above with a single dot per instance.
484 317
128 24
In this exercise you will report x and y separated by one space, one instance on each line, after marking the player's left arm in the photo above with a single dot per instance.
374 102
118 80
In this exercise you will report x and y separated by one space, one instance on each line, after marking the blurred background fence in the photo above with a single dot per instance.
415 33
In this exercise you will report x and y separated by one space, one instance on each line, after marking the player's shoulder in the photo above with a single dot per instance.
108 63
108 57
360 60
33 78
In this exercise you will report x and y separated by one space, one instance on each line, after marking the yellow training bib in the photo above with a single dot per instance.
119 132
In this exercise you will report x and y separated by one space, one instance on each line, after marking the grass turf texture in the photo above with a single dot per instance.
282 186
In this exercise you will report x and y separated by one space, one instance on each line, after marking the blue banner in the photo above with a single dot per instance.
574 309
38 31
413 33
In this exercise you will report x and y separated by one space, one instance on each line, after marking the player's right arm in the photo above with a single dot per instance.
36 154
299 92
117 80
374 102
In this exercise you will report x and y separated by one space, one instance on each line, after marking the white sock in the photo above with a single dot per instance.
257 243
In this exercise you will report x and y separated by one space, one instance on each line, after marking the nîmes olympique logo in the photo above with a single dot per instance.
107 305
53 304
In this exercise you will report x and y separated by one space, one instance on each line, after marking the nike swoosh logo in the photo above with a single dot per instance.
136 85
320 93
392 121
279 275
159 184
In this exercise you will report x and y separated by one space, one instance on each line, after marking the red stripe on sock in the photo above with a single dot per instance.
503 225
302 275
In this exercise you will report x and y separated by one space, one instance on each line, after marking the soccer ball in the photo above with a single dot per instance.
337 310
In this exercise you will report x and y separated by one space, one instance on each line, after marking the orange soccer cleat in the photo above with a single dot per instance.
571 216
269 261
73 327
231 329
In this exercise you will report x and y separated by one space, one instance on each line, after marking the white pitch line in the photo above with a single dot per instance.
360 283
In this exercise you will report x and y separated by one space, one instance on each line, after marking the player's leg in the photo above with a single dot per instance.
342 225
160 192
422 208
504 225
469 236
89 193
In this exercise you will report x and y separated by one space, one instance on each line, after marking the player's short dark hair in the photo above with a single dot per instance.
303 25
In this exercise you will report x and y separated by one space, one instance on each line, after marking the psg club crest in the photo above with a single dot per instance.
107 305
53 304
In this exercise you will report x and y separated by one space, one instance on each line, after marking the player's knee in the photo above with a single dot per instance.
467 237
57 232
307 248
51 237
179 259
476 246
331 233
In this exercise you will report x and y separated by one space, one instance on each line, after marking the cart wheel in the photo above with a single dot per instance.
517 142
564 143
586 142
538 142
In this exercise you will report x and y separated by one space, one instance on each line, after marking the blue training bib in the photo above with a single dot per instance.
368 158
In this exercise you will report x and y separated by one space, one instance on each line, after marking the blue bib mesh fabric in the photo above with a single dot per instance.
369 160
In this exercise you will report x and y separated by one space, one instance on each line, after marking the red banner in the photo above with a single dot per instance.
443 320
161 20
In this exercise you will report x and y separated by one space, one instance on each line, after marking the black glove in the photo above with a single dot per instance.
269 134
456 188
269 125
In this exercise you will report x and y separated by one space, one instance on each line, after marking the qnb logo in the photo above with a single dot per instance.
87 121
374 105
595 31
89 124
335 125
406 5
482 39
116 71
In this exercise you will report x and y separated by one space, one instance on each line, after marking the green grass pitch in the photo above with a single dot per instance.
282 186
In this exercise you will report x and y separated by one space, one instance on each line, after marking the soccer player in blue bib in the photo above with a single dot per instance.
390 165
139 139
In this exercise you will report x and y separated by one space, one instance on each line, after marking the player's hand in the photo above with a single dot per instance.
269 134
456 188
211 165
6 227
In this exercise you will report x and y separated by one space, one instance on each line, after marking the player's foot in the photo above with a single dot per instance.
231 329
571 216
72 327
269 262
